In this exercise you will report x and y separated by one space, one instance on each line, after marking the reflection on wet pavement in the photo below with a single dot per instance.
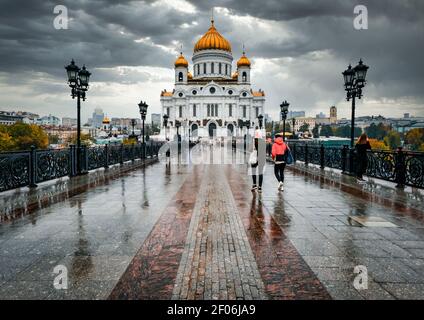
127 238
94 234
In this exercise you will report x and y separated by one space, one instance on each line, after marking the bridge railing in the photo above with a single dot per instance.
405 168
27 168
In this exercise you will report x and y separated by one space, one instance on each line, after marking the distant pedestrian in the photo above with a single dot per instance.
257 163
258 133
361 147
268 146
279 153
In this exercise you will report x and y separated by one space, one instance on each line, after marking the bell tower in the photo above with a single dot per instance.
333 115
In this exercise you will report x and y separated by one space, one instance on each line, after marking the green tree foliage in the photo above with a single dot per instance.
377 131
53 139
86 139
315 131
326 131
281 127
344 132
415 138
304 127
392 139
21 136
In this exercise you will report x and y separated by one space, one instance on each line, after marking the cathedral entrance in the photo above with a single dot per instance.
230 130
194 129
212 130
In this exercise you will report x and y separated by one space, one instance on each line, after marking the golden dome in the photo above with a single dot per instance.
106 120
243 61
181 61
189 75
212 39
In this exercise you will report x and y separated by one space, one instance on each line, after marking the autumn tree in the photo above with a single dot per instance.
378 144
21 136
415 138
86 139
392 139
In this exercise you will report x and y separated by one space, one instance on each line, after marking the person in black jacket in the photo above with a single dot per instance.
361 147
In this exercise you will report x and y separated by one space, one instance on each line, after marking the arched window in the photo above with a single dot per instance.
220 68
212 68
244 76
204 68
180 77
226 69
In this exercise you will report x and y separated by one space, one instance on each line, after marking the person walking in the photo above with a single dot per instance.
268 146
278 154
361 147
257 163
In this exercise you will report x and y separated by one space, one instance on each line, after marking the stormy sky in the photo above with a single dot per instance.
298 49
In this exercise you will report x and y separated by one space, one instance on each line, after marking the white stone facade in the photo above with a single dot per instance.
211 100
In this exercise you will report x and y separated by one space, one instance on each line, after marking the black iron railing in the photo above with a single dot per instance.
405 168
27 168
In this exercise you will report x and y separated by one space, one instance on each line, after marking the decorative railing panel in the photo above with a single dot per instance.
333 158
51 164
414 163
26 168
314 155
14 170
401 167
381 165
96 157
115 154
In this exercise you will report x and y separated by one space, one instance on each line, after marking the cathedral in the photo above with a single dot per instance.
210 99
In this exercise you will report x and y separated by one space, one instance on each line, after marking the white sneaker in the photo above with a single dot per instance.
280 185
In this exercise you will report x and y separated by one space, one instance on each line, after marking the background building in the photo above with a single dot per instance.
69 122
97 118
156 119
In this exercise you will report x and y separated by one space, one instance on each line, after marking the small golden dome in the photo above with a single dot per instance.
243 61
189 75
235 75
106 120
181 61
212 39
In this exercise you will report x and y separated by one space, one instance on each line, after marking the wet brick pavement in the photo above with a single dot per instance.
197 232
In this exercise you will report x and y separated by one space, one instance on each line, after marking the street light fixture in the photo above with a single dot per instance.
165 123
260 118
143 112
133 123
284 106
354 81
178 125
78 80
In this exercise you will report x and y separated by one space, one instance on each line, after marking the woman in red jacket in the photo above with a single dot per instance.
279 149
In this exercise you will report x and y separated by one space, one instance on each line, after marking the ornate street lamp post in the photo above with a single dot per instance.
78 81
284 106
133 123
165 124
178 125
354 81
143 112
260 118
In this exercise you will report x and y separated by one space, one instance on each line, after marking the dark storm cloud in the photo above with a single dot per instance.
108 33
